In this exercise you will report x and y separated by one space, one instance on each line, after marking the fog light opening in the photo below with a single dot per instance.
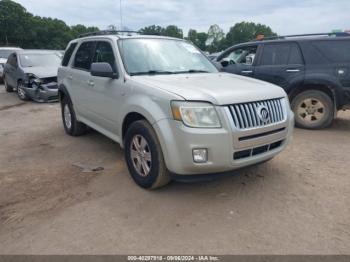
200 155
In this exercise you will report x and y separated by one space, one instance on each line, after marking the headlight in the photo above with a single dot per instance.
33 79
196 114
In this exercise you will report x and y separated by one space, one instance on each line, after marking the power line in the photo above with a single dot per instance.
121 14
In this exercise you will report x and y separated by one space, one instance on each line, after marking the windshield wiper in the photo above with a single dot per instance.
153 72
192 71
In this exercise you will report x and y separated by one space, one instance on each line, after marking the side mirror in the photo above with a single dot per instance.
102 70
224 63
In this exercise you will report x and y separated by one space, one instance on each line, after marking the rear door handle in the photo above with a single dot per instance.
70 77
247 72
293 70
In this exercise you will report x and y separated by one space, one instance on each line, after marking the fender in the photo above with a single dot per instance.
63 90
322 80
147 106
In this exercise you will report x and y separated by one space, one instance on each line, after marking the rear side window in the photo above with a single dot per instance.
334 50
68 54
104 54
276 54
281 54
295 57
83 56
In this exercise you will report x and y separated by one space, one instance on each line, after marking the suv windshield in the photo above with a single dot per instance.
163 56
5 53
34 60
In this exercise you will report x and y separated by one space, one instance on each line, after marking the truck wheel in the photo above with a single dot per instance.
70 123
7 87
313 110
144 156
21 91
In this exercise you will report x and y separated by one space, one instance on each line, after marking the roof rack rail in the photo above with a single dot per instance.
109 32
335 34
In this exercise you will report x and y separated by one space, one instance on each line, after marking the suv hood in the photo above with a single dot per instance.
217 88
42 72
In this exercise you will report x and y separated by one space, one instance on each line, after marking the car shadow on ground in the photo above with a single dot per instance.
340 124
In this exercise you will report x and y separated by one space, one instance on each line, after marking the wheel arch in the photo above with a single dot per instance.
62 93
129 119
142 107
311 86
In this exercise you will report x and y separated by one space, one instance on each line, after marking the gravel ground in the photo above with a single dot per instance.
50 202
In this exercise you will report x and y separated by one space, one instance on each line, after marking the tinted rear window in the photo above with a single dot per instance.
68 54
334 51
276 54
295 57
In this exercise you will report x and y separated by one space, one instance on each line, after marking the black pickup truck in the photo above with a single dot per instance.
313 69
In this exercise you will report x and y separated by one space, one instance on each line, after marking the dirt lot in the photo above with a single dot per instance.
299 203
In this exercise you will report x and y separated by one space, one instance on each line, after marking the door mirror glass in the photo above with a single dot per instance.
250 59
102 70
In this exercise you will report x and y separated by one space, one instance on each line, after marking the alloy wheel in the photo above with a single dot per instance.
67 116
21 92
141 155
311 110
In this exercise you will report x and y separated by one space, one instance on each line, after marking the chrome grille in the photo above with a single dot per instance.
246 115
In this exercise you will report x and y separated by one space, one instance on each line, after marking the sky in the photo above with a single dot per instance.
284 17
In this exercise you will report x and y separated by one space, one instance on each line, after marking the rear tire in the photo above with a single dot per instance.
8 88
313 109
70 123
144 156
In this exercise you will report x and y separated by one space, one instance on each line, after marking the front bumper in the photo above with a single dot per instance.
178 141
43 93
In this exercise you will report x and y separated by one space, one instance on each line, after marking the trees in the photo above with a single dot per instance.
77 30
173 31
199 39
152 30
20 28
13 22
215 37
170 30
247 31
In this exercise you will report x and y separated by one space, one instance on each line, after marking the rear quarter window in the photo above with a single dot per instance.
337 51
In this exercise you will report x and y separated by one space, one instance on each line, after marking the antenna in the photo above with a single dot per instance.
121 14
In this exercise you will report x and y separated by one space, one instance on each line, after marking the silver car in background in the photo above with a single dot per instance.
33 75
4 54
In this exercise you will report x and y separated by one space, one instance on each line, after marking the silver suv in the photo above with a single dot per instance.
168 106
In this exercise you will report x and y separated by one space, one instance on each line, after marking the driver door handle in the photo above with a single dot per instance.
70 77
247 72
91 83
293 70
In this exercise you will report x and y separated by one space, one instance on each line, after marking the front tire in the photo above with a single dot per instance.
144 156
313 109
70 123
21 91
